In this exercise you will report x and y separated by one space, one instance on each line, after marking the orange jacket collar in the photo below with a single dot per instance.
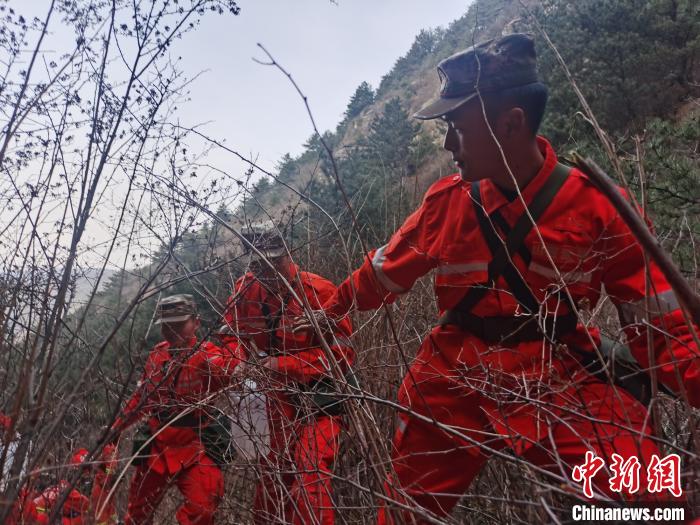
494 199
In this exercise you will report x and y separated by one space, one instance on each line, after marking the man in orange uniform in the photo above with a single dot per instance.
494 370
79 508
304 418
180 379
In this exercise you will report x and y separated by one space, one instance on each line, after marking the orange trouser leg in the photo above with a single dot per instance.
102 504
607 420
145 494
314 455
273 489
202 485
433 468
295 478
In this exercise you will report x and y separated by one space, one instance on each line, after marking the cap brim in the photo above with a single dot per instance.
442 106
178 319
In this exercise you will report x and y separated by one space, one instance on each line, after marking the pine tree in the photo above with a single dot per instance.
390 140
363 97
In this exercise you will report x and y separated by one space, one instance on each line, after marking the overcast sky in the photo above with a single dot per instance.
329 48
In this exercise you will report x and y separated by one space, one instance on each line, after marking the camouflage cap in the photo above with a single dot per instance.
175 309
493 65
266 238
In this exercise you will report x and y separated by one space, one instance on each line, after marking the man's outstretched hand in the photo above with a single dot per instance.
305 323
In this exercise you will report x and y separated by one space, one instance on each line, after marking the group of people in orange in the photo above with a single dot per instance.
181 440
88 500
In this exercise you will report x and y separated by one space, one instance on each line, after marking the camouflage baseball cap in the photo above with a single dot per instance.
175 309
493 65
266 238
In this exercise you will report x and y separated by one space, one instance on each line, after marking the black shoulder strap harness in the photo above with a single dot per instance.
272 322
520 328
625 373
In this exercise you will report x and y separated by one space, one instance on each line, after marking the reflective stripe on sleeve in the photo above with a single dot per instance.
402 425
378 263
661 304
451 269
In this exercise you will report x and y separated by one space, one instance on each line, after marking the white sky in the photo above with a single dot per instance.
328 48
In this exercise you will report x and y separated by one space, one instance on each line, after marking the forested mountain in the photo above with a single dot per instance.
635 61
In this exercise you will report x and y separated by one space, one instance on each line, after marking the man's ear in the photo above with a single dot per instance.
514 122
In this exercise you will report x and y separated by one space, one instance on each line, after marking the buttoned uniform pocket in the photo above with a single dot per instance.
570 246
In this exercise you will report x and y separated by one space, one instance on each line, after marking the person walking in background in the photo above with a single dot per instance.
180 444
88 503
303 410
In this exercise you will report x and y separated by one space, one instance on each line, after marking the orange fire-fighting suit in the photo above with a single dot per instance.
174 381
303 445
533 397
75 510
79 508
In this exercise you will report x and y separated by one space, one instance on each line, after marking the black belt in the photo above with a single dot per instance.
510 330
189 420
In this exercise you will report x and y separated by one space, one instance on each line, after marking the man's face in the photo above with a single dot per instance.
473 148
180 333
263 272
